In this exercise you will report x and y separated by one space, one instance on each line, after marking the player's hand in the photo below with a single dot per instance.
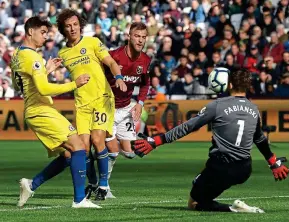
82 80
136 112
121 85
279 170
53 64
144 146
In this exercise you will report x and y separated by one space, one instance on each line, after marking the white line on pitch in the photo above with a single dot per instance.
135 203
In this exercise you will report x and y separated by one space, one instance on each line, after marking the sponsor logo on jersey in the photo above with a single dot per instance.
82 60
83 51
37 65
132 79
71 128
139 70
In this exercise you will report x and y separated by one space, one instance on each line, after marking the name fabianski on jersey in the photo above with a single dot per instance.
241 108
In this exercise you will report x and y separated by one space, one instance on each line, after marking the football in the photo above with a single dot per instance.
218 79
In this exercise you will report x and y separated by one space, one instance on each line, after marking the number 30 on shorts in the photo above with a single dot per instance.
100 117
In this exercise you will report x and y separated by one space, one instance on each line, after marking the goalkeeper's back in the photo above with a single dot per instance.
235 127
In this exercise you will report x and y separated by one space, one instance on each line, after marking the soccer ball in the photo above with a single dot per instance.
218 79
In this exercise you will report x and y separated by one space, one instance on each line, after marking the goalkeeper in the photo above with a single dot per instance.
236 126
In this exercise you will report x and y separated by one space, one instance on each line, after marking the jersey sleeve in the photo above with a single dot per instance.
100 49
261 141
259 135
205 116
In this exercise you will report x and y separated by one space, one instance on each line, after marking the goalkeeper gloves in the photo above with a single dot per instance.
144 146
279 170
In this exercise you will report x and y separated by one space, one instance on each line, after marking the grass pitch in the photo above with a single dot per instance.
154 188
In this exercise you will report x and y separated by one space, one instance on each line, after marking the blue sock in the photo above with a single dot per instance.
90 170
102 163
54 168
78 172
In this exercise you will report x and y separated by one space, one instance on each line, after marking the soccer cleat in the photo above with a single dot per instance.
240 207
109 195
85 203
25 191
89 190
100 194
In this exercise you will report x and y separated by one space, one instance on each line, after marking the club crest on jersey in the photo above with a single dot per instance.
139 70
37 65
83 51
71 128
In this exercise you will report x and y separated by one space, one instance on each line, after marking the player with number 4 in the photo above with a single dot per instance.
235 125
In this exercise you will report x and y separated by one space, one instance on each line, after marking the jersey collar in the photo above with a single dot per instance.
81 37
25 47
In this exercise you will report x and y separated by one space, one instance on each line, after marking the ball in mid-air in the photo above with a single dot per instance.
218 79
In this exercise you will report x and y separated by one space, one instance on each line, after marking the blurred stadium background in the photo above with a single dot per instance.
187 39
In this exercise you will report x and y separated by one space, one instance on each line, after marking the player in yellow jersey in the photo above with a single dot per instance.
52 129
95 101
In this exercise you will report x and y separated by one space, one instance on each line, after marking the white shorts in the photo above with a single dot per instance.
123 127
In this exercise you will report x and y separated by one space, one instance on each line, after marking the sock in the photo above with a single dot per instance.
129 155
102 163
54 168
213 206
111 161
90 170
78 172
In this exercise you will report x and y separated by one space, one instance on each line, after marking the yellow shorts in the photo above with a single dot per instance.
51 128
97 115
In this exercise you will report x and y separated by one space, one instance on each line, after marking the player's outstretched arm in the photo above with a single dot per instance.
115 70
49 89
279 170
147 144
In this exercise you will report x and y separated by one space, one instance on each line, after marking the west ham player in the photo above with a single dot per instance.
134 66
236 126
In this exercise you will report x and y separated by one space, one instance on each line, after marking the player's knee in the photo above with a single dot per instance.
98 142
78 145
192 204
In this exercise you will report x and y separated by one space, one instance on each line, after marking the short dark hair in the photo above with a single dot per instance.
66 14
36 22
240 80
138 26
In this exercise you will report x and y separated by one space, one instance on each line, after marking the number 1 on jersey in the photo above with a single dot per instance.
241 124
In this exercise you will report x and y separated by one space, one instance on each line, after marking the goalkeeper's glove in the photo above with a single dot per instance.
279 170
144 146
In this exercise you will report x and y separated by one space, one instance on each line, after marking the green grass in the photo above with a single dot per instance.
154 188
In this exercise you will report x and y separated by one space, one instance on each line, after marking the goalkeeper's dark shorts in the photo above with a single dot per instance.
218 176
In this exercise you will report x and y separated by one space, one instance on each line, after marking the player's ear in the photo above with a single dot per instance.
30 31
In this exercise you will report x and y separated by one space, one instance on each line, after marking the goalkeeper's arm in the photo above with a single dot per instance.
278 169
